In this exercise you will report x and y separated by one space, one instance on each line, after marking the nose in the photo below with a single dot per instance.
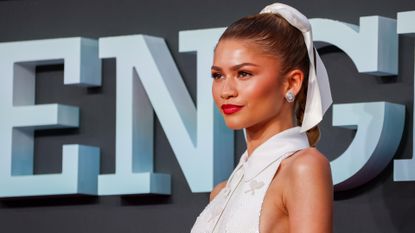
229 89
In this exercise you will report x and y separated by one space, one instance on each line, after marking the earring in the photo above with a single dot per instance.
289 96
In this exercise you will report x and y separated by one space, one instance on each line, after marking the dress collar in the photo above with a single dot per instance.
279 146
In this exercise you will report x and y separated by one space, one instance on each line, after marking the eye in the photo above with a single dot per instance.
244 74
216 75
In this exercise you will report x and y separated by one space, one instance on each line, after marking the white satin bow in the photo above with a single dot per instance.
318 93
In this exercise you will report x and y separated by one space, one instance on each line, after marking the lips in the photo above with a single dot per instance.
230 108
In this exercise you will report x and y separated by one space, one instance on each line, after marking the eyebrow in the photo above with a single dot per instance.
235 67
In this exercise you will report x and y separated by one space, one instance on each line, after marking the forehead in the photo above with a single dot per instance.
232 51
246 46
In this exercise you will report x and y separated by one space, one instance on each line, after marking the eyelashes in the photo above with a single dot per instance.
240 74
216 75
244 74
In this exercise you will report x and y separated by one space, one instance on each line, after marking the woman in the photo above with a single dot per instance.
269 80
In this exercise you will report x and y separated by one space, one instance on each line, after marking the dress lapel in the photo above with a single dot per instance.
277 147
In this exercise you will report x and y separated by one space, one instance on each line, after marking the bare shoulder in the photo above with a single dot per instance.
304 171
216 190
307 191
308 162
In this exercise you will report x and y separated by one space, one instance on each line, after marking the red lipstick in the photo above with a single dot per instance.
230 108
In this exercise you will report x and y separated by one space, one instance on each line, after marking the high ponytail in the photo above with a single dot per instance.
313 134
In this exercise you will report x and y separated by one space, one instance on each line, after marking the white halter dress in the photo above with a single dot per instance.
237 207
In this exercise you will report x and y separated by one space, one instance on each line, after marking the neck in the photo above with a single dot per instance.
258 134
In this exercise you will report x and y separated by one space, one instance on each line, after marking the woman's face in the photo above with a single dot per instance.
247 84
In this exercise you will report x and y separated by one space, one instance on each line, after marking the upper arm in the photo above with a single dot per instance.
309 196
216 190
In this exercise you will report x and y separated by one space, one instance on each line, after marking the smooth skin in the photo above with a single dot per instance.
300 196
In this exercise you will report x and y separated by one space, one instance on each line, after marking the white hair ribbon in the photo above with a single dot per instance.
318 92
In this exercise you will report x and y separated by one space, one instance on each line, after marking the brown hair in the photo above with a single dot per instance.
282 40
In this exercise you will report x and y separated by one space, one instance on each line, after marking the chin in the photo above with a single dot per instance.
234 124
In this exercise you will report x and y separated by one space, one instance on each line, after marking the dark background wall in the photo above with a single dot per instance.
379 206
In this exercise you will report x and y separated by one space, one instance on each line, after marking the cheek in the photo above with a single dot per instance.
264 94
216 93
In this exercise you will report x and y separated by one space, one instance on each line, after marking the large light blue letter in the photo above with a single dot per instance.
373 46
147 78
19 117
379 128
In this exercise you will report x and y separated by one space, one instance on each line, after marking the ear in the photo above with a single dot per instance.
294 80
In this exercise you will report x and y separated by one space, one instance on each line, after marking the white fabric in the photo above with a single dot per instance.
237 207
318 94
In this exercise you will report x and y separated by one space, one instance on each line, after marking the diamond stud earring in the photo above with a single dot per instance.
289 96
